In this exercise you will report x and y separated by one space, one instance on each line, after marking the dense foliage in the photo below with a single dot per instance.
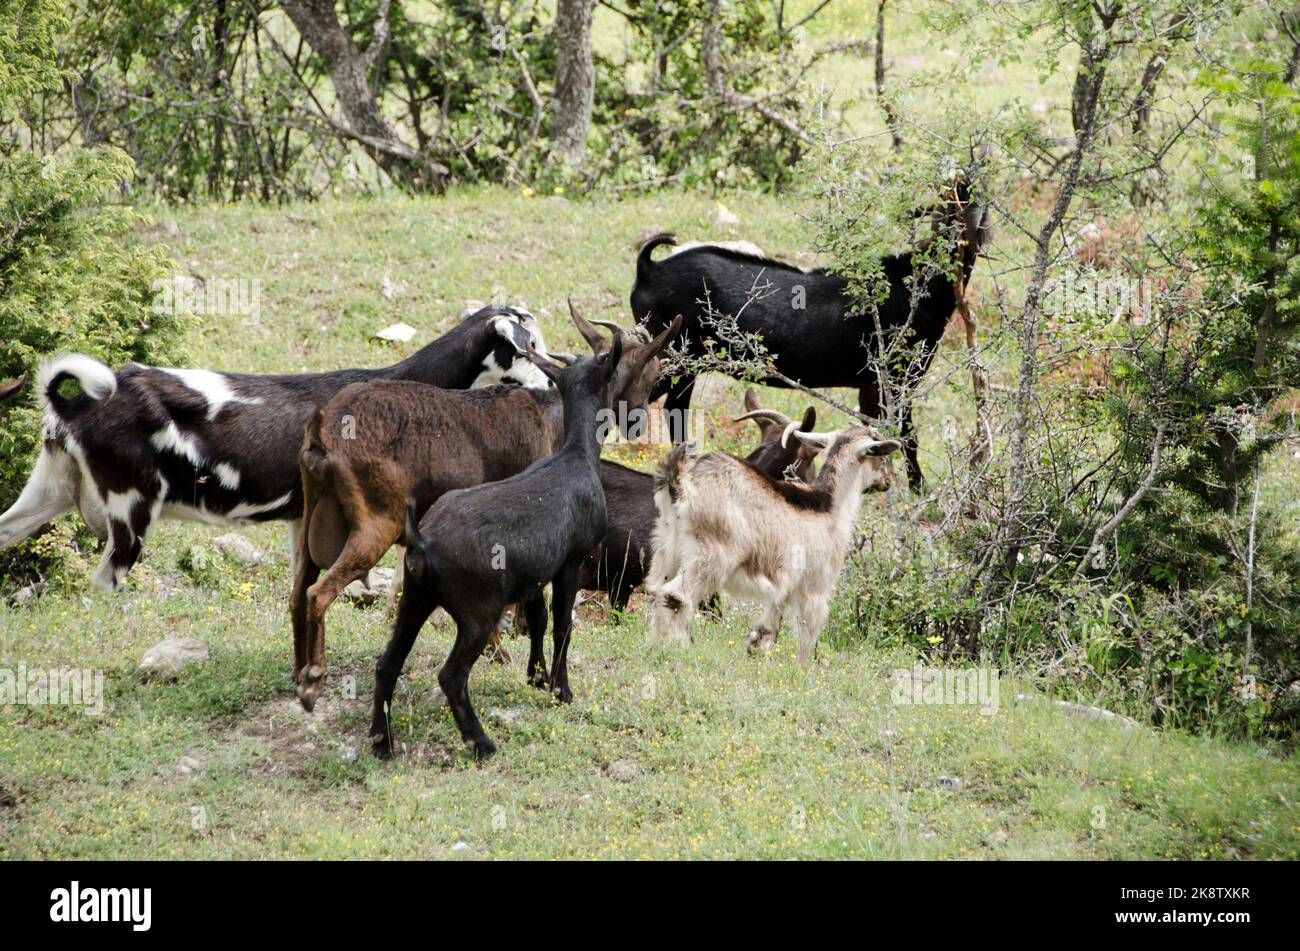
71 274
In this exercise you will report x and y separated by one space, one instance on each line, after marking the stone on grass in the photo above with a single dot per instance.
188 766
375 586
238 549
623 770
168 658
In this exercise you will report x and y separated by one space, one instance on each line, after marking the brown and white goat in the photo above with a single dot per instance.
724 526
377 445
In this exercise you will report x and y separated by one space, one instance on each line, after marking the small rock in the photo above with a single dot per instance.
25 594
168 658
378 584
952 783
623 770
239 549
398 332
388 288
460 847
998 837
348 754
188 766
502 714
437 698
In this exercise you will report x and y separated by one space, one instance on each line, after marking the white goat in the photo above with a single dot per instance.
724 526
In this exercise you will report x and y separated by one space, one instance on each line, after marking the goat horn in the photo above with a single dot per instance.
610 324
770 414
785 434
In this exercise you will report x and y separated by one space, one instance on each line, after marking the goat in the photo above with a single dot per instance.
822 344
724 526
478 549
147 443
376 445
619 564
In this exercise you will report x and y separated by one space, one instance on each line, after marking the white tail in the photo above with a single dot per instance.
97 380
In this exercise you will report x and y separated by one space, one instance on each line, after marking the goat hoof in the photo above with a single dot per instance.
381 746
308 693
482 747
562 693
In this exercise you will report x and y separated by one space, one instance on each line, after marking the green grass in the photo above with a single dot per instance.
664 753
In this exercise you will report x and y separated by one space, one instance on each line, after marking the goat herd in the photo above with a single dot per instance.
480 453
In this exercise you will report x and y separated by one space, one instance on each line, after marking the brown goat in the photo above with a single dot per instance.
376 445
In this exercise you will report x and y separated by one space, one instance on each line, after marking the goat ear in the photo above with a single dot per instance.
809 419
751 400
611 359
882 448
651 350
595 339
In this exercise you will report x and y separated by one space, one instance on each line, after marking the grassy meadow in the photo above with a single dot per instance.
664 753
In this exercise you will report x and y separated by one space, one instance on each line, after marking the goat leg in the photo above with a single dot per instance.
535 618
414 608
564 589
471 636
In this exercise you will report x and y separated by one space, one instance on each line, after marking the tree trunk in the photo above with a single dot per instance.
349 69
575 81
891 119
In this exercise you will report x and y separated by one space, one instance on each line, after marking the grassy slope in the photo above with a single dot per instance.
663 753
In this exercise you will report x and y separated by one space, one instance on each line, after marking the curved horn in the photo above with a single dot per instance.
594 338
793 427
611 325
770 415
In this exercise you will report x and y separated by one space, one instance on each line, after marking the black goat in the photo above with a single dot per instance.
147 443
830 341
479 549
619 564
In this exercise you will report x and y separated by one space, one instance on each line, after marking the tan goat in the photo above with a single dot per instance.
723 526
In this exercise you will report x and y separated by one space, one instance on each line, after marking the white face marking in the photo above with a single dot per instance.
214 387
522 372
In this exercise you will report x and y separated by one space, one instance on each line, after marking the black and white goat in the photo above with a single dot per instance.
724 526
146 443
477 550
812 329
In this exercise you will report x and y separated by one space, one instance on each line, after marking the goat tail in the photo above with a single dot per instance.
669 474
315 456
411 526
96 379
643 260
